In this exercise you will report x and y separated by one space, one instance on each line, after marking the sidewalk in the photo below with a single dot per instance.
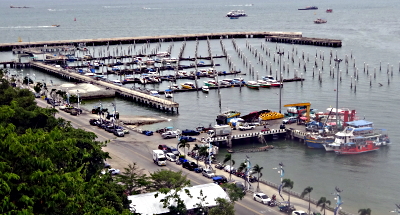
270 189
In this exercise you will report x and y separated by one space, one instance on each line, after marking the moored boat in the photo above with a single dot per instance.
253 85
320 21
205 89
359 137
168 93
316 141
264 84
188 85
309 8
272 81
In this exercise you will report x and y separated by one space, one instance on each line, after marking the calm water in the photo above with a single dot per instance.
370 34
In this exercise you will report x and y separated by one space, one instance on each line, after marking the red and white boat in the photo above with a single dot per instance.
359 137
354 148
272 81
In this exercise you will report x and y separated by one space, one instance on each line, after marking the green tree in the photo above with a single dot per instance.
287 183
171 184
323 203
257 170
224 207
242 167
308 191
235 193
183 143
134 180
228 157
364 211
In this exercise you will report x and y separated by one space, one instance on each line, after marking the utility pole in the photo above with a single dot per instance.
337 92
280 53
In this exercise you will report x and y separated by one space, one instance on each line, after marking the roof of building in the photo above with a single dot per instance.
147 204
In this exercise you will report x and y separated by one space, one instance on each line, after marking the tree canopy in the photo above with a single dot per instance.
49 167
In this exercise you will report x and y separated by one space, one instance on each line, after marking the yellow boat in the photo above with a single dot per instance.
188 85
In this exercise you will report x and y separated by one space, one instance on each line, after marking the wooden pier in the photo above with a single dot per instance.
231 138
123 92
146 39
305 41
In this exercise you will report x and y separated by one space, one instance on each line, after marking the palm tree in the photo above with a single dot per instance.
323 202
183 144
257 169
306 191
364 211
228 157
287 183
203 151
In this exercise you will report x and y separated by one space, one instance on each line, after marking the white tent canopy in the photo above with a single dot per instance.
147 204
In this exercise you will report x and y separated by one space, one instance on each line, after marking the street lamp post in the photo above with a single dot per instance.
337 92
280 53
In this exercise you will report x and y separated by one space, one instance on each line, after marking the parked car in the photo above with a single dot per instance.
188 138
93 121
188 132
119 132
169 134
171 157
173 150
162 147
289 120
261 197
313 128
126 131
189 165
246 127
208 173
198 169
114 171
299 213
219 179
147 133
109 128
241 186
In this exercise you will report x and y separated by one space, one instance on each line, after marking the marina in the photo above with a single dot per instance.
367 75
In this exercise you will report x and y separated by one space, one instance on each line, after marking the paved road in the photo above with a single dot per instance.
137 148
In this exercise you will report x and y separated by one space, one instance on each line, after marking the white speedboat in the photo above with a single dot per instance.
205 89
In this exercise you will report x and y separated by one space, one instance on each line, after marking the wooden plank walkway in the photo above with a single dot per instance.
126 93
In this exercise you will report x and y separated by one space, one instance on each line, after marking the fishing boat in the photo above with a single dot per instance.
188 85
264 84
320 21
317 141
252 85
205 89
359 137
309 8
168 93
329 10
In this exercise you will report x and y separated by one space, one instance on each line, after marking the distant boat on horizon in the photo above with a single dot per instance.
309 8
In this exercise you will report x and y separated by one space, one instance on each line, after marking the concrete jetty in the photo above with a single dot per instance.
126 93
151 39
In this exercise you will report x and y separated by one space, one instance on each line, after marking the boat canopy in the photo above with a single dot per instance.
359 123
360 129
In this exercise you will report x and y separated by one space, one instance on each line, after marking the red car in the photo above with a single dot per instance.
162 147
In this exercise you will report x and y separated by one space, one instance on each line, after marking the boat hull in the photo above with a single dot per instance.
317 143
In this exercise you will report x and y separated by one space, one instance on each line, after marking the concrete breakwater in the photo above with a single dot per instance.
165 38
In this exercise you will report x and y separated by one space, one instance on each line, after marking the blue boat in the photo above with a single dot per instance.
317 141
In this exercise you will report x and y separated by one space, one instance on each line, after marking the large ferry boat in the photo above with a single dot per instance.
358 137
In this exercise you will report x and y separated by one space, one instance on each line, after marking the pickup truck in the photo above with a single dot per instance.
169 134
246 127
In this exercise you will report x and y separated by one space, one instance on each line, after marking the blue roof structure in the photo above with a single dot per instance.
359 123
